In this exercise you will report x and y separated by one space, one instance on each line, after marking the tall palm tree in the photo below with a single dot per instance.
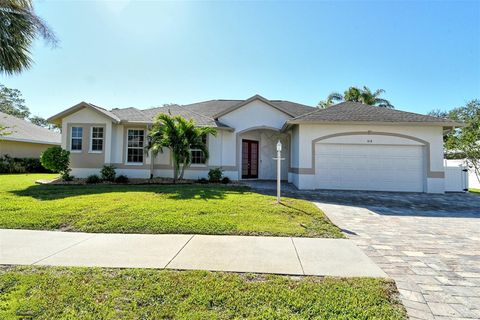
363 95
373 98
19 27
180 136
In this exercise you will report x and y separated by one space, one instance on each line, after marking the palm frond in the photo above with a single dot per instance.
335 96
19 27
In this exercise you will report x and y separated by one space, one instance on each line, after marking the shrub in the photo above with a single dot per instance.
68 177
121 179
202 181
226 180
21 165
108 173
214 175
93 179
57 160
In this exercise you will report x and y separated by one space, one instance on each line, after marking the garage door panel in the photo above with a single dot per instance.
369 167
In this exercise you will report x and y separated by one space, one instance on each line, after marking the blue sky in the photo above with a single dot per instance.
425 55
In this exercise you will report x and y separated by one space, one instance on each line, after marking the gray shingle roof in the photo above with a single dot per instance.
203 113
22 130
357 112
212 108
130 114
187 113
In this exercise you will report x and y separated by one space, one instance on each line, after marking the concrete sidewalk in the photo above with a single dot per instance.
279 255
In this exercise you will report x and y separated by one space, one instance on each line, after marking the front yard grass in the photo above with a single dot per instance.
93 293
474 190
194 209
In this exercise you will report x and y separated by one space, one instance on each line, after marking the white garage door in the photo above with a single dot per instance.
369 167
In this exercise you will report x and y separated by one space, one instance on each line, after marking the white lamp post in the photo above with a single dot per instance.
279 171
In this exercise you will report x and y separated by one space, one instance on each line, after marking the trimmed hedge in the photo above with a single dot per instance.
21 165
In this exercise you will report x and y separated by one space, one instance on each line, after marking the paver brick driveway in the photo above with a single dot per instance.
430 245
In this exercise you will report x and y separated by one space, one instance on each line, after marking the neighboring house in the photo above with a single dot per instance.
347 146
24 139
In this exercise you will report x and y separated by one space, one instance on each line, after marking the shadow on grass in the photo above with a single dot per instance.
176 192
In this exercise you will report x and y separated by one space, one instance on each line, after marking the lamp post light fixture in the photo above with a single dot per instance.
279 171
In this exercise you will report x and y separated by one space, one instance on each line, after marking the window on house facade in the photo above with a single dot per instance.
197 155
135 145
97 139
76 140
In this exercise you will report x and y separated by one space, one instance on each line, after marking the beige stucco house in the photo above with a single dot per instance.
348 146
24 139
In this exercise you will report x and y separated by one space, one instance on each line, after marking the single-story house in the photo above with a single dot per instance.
25 139
349 146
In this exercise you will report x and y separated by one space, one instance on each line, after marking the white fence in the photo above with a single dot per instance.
458 177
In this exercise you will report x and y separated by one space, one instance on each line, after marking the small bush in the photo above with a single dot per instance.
215 175
68 177
108 173
93 179
57 160
21 165
202 181
225 180
121 179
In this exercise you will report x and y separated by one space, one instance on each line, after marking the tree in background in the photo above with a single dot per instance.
4 131
363 95
19 27
180 136
12 103
42 122
464 143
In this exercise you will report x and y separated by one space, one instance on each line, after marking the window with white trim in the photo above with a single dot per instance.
198 157
96 144
135 145
76 139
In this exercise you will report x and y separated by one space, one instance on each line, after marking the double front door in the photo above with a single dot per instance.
249 159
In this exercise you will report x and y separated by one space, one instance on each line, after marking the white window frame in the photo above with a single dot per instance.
126 147
71 139
206 160
91 140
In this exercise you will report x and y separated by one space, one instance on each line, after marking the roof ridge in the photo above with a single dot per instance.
357 111
317 109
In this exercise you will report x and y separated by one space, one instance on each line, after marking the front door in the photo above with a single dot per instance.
249 159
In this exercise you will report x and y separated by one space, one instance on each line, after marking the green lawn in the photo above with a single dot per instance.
93 293
474 190
200 209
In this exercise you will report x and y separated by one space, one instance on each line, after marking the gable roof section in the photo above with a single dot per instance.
57 118
24 131
358 112
213 108
249 100
203 113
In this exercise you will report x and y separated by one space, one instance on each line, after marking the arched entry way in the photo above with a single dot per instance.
256 148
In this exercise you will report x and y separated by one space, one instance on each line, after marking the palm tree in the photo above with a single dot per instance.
179 136
19 27
373 98
363 95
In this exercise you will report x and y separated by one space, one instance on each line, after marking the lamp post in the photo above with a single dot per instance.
279 171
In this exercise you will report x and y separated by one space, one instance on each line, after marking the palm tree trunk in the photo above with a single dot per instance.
184 165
